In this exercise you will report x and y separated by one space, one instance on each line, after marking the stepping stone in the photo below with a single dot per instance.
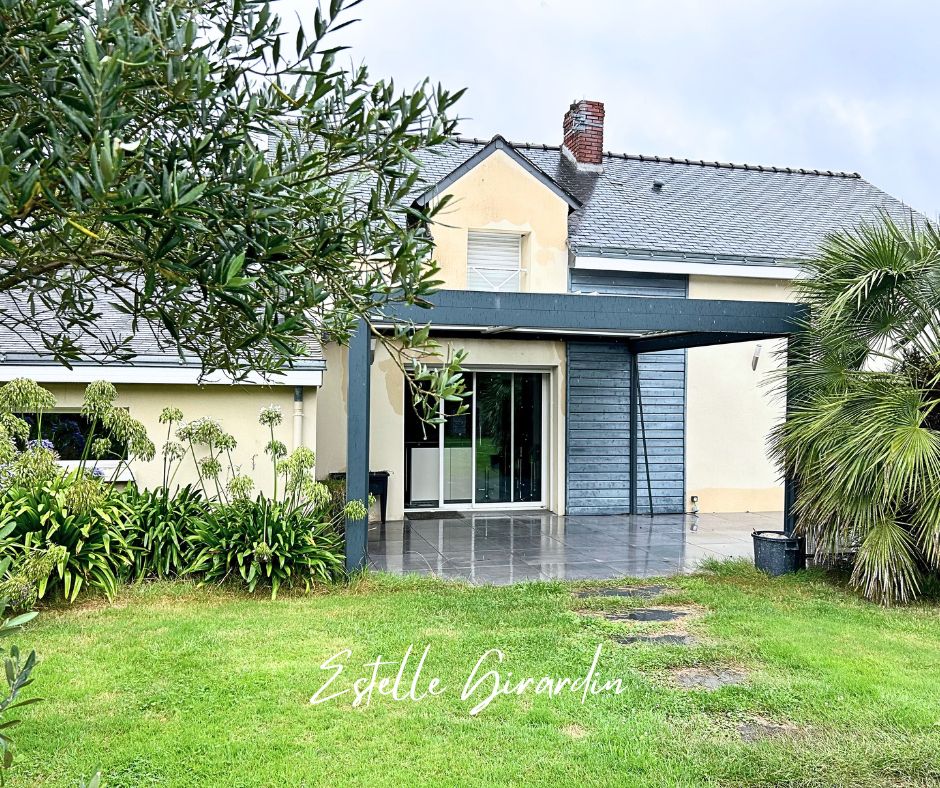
659 640
641 592
759 728
708 678
645 614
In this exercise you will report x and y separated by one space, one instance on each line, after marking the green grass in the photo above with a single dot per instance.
177 686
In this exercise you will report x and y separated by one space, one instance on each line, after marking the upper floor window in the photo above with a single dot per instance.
494 261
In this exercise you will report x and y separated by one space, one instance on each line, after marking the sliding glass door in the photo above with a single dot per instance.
527 429
493 437
491 455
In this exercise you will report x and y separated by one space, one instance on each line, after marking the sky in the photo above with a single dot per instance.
824 84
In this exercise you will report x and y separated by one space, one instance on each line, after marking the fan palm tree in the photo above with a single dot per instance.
862 433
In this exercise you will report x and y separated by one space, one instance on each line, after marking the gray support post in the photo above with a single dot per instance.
634 426
357 445
789 484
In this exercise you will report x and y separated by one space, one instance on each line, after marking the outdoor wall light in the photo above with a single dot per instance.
756 357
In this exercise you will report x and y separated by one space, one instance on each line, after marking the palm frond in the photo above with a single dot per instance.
862 385
886 567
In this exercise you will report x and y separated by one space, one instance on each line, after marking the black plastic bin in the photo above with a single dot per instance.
778 554
378 486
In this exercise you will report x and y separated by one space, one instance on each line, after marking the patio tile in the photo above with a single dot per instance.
559 552
404 564
622 555
400 545
644 568
508 547
721 541
726 549
489 558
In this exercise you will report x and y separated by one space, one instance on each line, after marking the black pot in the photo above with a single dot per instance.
778 554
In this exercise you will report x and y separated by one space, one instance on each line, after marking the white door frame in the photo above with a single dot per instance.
542 503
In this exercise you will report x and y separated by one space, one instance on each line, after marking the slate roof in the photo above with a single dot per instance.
729 212
151 344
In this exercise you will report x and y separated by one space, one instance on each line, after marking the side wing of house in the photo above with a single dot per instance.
158 378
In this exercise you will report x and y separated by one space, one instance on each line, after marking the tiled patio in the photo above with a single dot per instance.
509 547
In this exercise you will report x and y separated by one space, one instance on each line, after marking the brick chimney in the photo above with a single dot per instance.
584 134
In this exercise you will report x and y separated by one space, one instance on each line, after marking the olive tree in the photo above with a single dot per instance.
225 187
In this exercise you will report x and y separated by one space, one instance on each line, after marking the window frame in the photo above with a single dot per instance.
113 469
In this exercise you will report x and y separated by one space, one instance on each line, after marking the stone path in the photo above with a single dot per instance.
708 678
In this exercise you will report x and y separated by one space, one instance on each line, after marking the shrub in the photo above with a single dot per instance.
76 529
85 517
862 433
161 525
266 543
337 491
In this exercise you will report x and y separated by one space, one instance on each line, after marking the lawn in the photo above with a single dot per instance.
173 685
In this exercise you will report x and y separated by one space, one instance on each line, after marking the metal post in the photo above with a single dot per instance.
634 400
357 445
789 484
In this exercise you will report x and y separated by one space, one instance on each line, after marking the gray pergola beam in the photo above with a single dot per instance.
601 313
687 340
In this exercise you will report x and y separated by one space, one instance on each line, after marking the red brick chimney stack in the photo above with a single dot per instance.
584 133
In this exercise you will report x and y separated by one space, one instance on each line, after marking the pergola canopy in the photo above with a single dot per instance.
645 324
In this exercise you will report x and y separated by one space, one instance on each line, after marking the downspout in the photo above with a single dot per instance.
298 416
642 423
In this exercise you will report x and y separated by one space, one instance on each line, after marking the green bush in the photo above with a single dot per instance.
75 530
266 543
162 524
88 519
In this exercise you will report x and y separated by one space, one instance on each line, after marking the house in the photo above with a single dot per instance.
621 313
654 395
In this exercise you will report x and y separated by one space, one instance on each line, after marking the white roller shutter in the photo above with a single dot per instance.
494 261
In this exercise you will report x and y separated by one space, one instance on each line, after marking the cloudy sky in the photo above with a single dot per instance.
824 84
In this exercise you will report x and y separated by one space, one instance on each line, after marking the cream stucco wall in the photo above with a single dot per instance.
500 195
236 407
387 424
731 409
331 403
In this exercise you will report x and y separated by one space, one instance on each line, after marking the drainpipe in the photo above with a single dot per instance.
298 416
